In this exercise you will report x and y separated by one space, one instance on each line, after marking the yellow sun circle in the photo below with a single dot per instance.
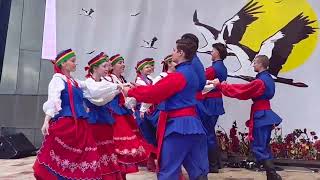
276 14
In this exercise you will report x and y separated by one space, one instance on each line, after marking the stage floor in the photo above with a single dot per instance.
21 169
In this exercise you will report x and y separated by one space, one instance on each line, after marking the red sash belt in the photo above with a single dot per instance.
215 94
256 106
163 117
200 96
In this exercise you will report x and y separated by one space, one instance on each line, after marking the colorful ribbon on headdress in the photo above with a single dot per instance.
96 61
141 64
115 59
64 56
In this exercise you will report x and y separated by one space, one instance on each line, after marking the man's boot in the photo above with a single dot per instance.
202 177
270 170
219 158
213 161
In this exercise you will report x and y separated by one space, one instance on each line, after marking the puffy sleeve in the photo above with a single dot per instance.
158 78
160 91
243 91
210 73
130 102
53 105
99 93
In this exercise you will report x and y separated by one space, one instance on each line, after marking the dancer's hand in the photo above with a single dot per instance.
214 82
45 126
125 90
141 115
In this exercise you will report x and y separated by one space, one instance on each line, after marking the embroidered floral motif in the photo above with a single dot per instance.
72 166
133 152
101 143
125 138
90 149
76 150
105 159
66 146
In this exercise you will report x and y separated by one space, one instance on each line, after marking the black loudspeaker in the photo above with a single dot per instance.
15 146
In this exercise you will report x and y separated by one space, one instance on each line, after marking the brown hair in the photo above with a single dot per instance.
263 60
222 49
188 47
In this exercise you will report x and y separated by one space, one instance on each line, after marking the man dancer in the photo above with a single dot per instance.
262 118
181 137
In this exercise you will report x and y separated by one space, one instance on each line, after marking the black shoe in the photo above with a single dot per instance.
270 170
202 177
214 169
273 175
213 157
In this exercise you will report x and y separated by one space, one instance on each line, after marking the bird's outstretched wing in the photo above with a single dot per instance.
210 34
279 46
234 28
154 39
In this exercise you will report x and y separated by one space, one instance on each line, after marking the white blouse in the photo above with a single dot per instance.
99 93
130 102
144 106
158 78
53 105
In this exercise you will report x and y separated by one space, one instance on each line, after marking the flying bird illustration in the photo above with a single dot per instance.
87 12
91 52
277 47
135 14
150 44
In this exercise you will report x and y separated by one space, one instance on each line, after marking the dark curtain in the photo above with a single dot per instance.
5 6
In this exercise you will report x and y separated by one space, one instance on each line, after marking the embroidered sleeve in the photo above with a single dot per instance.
53 105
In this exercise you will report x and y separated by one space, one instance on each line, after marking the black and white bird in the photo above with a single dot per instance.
87 12
277 47
136 14
91 52
150 44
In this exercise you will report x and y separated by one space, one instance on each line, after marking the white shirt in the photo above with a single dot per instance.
130 102
99 93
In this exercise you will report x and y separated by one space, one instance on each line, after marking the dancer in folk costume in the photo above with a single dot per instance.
143 70
148 131
131 148
202 110
68 150
181 137
167 68
214 104
262 118
98 93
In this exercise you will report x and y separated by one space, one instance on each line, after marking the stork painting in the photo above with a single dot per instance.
277 47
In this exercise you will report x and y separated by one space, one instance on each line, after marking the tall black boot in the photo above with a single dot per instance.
202 177
219 158
213 157
270 170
